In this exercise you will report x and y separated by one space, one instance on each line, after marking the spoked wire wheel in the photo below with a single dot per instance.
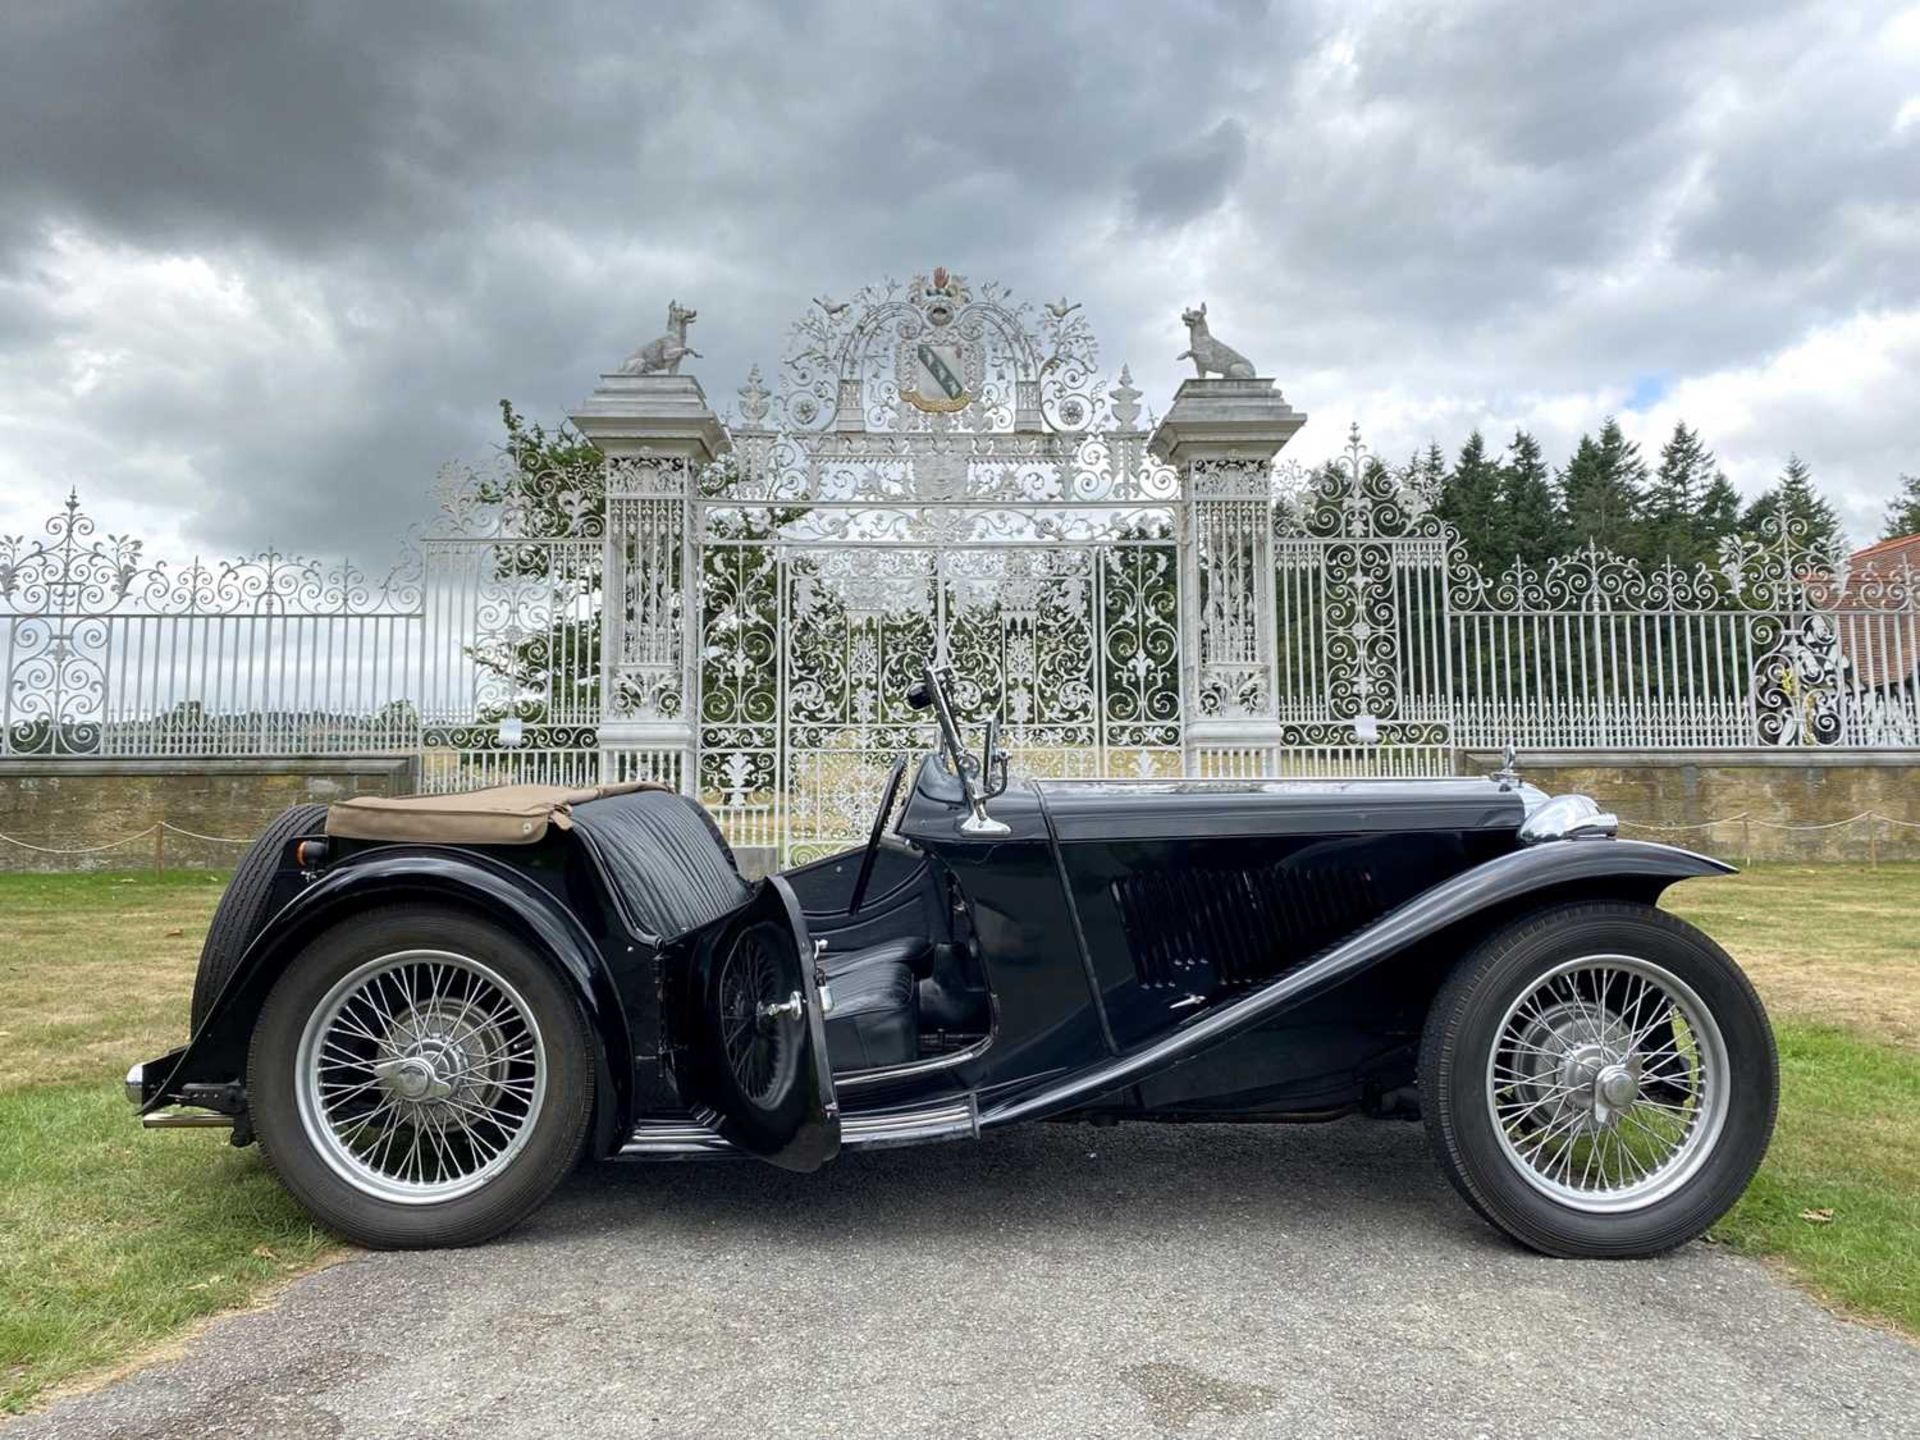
420 1076
1608 1083
760 1016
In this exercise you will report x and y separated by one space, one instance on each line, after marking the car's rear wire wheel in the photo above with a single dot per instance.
419 1076
422 1074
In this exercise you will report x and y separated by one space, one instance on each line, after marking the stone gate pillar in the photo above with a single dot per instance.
657 432
1221 436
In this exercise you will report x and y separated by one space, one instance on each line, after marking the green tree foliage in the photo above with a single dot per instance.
1532 532
1602 491
1690 503
1470 502
1903 512
1810 518
556 481
1719 513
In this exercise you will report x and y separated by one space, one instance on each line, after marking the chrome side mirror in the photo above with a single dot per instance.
993 781
993 763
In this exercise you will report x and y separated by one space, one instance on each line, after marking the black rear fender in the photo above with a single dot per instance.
464 879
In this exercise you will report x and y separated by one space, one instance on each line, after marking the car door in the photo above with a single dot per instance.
748 1033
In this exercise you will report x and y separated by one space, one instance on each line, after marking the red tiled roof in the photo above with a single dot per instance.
1888 552
1879 627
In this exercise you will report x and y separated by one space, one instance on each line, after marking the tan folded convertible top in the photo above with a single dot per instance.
498 815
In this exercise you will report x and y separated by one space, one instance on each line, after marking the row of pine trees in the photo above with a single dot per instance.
1511 506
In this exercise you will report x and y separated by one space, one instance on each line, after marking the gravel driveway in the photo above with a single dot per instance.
1050 1281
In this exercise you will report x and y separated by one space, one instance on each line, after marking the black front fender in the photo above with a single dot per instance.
217 1055
1637 868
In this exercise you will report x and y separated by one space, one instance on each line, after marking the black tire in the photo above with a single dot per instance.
758 1081
244 908
1457 1055
556 1129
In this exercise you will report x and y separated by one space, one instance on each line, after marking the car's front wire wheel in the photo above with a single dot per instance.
1599 1079
419 1077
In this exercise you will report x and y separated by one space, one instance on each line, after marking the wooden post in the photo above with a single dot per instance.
1873 838
1746 842
159 847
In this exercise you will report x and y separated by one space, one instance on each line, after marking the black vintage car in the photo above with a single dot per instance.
425 1011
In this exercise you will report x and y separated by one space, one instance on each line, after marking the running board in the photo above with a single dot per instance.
871 1130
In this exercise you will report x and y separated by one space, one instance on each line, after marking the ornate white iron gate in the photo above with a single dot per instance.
1361 574
929 483
509 685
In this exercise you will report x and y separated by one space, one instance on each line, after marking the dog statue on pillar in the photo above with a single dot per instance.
1208 354
663 356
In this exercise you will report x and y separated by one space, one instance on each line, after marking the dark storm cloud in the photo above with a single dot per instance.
1186 181
263 267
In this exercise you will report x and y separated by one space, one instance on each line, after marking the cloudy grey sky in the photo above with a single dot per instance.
264 266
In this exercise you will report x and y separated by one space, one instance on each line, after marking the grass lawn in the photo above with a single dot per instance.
1835 952
112 1240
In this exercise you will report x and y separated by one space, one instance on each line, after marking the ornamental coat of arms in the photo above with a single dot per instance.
940 369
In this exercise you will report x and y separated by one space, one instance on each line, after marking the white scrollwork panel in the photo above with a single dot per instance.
859 624
1140 650
1232 556
1020 638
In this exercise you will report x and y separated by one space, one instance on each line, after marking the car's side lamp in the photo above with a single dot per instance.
1568 817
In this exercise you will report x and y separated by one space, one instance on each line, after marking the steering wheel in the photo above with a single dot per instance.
872 852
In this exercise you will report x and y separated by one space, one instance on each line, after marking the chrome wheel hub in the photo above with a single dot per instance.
420 1076
413 1080
1614 1090
1607 1084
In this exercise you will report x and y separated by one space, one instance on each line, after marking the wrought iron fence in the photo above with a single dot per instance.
1775 643
107 654
1388 649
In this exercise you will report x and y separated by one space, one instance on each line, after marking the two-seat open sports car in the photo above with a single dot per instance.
426 1010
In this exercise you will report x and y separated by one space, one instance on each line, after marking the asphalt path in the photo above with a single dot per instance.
1051 1281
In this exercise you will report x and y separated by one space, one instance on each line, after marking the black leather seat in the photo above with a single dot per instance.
675 872
913 951
875 1018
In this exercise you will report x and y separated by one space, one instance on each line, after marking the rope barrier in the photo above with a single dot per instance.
81 850
1743 818
211 839
145 834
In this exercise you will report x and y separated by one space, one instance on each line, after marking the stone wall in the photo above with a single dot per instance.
1794 802
72 805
